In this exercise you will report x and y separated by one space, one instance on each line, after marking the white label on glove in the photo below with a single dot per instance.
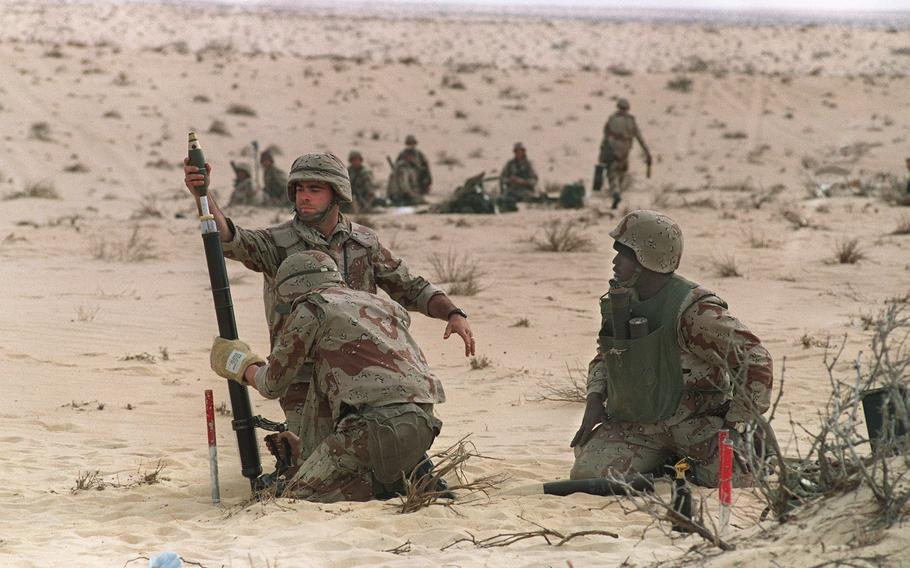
234 360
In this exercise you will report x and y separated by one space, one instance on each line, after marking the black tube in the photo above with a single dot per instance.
599 486
227 328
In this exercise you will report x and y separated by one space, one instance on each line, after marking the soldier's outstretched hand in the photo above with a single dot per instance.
193 178
458 324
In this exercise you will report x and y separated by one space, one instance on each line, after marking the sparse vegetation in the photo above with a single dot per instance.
725 267
40 131
143 357
134 249
482 362
112 114
453 82
461 273
477 129
562 236
443 158
87 313
201 99
76 168
903 226
680 84
35 190
619 70
758 240
219 128
735 135
572 389
148 208
240 109
848 251
522 322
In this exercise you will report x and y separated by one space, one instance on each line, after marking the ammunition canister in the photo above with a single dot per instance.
619 303
638 328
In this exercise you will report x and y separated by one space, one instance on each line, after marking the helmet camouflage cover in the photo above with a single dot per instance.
321 167
622 103
305 271
655 238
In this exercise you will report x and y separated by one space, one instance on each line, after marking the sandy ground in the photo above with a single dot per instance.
106 317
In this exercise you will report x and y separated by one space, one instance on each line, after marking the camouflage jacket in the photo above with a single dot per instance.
711 341
422 164
619 132
363 353
244 193
275 186
364 263
362 186
519 168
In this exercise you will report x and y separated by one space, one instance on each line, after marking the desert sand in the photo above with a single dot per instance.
777 150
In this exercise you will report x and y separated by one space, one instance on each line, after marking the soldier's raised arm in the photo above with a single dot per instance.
193 178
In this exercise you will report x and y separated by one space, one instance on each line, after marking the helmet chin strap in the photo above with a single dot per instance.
315 219
633 280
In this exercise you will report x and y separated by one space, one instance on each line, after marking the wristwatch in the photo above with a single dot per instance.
458 311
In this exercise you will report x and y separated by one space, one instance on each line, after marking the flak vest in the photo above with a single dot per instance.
644 376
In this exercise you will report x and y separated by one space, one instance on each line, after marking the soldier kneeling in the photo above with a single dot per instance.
367 369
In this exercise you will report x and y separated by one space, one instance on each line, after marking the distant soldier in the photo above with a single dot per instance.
421 164
244 193
275 186
367 369
905 200
362 183
693 370
619 132
404 181
518 177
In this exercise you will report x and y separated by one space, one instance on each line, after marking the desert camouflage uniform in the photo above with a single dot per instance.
275 186
710 340
363 187
244 193
404 184
422 166
364 264
619 132
374 380
524 170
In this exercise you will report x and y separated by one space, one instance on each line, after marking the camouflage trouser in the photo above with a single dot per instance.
616 175
368 452
628 447
309 416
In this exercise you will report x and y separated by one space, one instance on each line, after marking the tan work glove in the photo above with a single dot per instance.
230 358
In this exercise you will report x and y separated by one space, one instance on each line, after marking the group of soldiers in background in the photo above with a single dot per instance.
411 180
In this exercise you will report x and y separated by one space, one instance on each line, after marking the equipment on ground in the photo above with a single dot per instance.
682 495
623 485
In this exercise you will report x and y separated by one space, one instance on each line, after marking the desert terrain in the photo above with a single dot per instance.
776 146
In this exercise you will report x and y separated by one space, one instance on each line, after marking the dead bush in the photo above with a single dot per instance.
240 110
725 267
134 249
219 128
680 84
848 251
461 273
562 236
35 190
40 131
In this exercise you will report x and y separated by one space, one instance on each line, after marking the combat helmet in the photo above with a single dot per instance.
655 238
410 140
622 103
305 271
321 167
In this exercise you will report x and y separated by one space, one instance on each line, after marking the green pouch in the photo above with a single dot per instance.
644 382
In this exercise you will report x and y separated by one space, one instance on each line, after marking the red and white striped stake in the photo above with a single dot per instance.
724 477
213 446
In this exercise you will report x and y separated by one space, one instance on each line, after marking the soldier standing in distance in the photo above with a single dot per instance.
404 180
619 132
420 163
368 371
668 394
518 177
318 184
275 181
362 184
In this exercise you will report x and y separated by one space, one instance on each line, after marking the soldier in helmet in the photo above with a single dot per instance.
420 164
404 181
275 181
665 395
363 187
244 193
619 132
317 185
367 371
518 177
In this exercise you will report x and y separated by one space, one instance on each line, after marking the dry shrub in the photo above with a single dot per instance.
619 70
148 208
735 135
423 491
758 240
134 249
562 236
40 131
35 190
572 389
680 84
240 109
219 128
87 313
522 322
201 99
76 168
461 273
143 476
443 158
903 226
725 267
482 362
848 251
